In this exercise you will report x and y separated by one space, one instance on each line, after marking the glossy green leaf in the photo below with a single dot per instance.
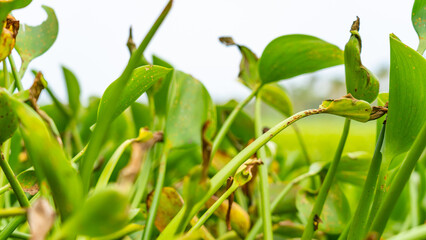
7 6
335 214
189 108
104 213
360 82
8 118
418 18
73 89
159 94
348 107
292 55
117 97
276 96
33 41
407 97
51 165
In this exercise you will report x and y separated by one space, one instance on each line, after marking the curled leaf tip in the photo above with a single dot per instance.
244 173
227 41
378 112
355 24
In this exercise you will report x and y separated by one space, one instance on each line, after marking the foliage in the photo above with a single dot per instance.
182 167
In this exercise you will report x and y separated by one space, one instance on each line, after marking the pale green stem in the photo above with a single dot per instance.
415 233
142 181
23 68
325 187
228 122
4 188
263 175
414 199
156 199
221 177
6 75
213 208
422 47
11 212
399 182
17 189
16 75
359 220
258 225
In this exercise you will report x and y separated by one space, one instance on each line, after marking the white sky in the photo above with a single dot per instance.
93 35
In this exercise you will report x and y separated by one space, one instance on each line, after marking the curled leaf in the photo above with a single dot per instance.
349 107
28 181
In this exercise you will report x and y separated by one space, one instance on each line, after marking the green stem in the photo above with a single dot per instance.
6 75
16 75
58 103
76 136
156 199
11 212
323 192
399 182
359 220
414 199
7 231
228 122
4 188
263 174
258 225
101 128
302 144
213 208
221 177
17 189
23 68
142 181
412 234
422 47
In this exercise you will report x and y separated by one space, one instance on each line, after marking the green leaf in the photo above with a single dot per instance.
335 214
407 97
103 213
248 74
33 41
160 62
242 129
276 96
353 168
51 165
292 55
28 181
360 82
8 118
73 89
141 115
418 18
189 108
61 121
348 107
170 204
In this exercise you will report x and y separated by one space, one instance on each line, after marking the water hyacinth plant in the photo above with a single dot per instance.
181 166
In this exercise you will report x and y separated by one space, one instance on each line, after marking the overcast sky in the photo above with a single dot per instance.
93 34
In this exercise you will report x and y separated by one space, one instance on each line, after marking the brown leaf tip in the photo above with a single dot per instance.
355 24
228 41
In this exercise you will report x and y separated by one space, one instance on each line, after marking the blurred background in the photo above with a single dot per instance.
93 34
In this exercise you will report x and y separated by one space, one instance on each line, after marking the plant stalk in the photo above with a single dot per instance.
359 220
156 199
228 122
323 192
221 177
399 182
11 212
263 174
16 75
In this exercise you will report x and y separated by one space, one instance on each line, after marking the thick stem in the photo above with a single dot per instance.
399 182
359 220
319 203
221 177
23 68
156 199
422 47
228 122
263 175
16 75
11 212
6 75
17 189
